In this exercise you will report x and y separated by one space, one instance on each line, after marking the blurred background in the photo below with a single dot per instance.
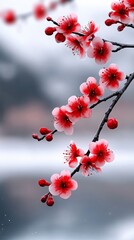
36 75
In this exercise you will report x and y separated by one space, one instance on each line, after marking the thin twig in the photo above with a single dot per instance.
120 45
104 99
126 24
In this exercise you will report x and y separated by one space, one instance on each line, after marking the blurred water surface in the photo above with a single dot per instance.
102 208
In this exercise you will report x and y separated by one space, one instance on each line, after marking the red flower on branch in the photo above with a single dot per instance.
76 44
78 108
91 89
62 121
68 24
129 3
72 154
99 50
88 165
101 153
120 12
89 32
110 77
62 184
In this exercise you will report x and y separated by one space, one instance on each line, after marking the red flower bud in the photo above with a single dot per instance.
49 137
50 30
44 198
59 37
109 22
9 17
39 11
43 183
50 201
49 18
35 136
120 27
112 123
45 131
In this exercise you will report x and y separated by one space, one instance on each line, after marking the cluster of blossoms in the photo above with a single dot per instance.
62 184
99 154
39 11
78 107
122 13
64 118
82 41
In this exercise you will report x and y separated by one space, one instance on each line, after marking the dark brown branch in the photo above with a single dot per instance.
104 99
76 170
120 45
126 24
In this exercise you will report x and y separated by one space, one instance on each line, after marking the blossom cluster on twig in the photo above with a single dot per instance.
84 41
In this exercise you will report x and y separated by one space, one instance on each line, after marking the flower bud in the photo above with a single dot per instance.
120 27
50 30
45 131
9 17
49 137
112 123
49 18
59 37
35 136
44 198
109 22
43 183
50 201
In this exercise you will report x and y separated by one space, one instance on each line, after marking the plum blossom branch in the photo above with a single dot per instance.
83 41
119 94
107 113
78 107
121 45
